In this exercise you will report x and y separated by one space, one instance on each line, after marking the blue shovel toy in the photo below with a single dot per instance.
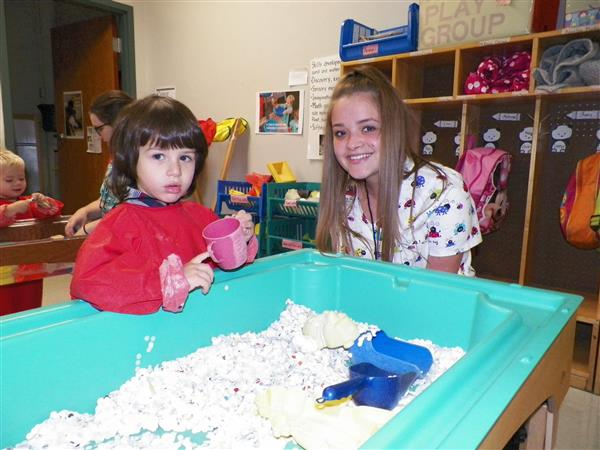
371 386
391 354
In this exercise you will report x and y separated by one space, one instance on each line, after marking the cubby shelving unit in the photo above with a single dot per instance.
529 248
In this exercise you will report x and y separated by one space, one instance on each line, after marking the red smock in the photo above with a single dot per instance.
117 267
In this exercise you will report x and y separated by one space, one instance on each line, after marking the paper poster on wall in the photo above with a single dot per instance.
166 91
73 105
324 73
279 112
298 77
94 144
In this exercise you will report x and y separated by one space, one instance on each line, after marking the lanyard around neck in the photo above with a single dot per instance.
375 233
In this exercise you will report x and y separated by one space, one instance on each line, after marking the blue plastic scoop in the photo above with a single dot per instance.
371 386
392 355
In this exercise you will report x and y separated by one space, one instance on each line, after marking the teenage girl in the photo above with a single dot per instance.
379 199
149 252
103 113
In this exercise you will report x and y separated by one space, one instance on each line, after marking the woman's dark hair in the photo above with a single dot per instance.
160 121
108 105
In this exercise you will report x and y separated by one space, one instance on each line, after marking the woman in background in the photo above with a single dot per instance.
103 114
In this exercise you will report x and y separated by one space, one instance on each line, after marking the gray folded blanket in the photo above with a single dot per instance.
576 63
590 71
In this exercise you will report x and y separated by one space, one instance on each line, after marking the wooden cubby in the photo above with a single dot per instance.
528 248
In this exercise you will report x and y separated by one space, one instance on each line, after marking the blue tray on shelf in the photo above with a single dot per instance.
358 41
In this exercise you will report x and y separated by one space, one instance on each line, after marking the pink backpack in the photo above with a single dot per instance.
485 171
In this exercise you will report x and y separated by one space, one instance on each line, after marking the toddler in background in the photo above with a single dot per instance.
13 205
149 251
17 292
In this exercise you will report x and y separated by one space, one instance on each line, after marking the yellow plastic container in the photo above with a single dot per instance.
281 172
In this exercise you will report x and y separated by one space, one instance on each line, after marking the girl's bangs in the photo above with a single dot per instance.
168 133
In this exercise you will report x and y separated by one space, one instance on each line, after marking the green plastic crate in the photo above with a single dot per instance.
278 206
67 356
284 235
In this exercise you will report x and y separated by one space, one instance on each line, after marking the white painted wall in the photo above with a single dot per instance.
219 54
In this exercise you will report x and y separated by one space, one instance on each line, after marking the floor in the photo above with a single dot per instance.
578 427
579 424
56 289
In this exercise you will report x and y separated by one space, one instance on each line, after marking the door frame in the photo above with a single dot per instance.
124 18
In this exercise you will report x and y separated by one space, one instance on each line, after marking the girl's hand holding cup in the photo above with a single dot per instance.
246 222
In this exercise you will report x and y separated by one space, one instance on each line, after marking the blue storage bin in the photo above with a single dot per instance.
358 41
228 204
67 356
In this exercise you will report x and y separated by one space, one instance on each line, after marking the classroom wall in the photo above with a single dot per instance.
219 54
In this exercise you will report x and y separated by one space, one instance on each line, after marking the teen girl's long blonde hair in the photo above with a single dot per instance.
398 139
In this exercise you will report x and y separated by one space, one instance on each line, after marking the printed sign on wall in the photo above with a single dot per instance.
456 22
324 73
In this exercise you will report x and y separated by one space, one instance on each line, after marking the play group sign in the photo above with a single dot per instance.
444 23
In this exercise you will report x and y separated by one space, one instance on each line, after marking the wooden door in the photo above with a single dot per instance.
83 61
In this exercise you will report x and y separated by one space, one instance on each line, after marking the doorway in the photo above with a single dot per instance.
26 73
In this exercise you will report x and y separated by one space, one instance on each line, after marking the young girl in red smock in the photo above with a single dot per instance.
21 286
13 204
149 251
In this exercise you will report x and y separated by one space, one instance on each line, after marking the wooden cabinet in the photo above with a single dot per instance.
529 248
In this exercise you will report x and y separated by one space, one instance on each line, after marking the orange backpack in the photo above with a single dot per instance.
579 202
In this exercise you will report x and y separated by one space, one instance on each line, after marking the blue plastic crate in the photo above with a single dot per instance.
227 203
358 41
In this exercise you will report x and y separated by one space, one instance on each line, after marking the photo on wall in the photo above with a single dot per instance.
73 104
279 112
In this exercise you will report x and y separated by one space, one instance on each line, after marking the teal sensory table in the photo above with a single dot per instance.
518 343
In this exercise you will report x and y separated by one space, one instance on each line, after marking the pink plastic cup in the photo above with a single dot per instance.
226 243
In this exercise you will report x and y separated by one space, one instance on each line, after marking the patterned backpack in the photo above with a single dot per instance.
485 171
578 209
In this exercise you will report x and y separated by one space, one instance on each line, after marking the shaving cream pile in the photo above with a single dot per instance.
206 399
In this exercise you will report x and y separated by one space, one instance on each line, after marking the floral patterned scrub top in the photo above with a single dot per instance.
445 222
108 200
